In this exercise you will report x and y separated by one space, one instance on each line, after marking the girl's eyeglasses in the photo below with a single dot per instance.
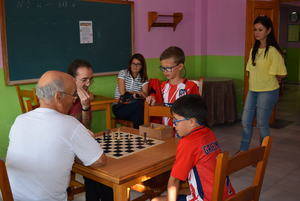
136 64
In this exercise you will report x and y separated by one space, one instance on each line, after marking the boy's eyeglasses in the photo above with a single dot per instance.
167 69
176 121
136 64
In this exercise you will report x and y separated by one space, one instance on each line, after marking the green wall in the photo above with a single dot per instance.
196 66
293 64
231 67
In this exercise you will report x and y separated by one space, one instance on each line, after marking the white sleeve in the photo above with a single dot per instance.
85 146
147 82
122 74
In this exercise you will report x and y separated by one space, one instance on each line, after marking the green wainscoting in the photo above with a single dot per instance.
231 67
293 64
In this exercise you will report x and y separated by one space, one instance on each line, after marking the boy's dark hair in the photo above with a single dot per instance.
72 69
191 106
173 52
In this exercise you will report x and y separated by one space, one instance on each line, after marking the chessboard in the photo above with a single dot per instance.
121 144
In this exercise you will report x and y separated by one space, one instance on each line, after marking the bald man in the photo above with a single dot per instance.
44 142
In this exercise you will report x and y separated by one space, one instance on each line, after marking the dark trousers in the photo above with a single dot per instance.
96 191
132 112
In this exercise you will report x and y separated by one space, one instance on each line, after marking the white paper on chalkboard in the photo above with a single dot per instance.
86 32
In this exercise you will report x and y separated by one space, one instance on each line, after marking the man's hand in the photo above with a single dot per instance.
150 100
85 98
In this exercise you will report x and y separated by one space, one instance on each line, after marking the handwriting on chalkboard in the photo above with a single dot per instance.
46 3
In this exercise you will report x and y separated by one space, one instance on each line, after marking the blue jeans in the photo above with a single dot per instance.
261 104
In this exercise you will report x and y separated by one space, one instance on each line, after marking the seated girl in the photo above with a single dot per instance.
131 90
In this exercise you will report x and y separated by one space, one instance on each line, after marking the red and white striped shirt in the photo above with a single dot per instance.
172 92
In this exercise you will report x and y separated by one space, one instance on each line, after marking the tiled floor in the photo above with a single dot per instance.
282 179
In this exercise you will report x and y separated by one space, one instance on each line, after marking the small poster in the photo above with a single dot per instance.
86 32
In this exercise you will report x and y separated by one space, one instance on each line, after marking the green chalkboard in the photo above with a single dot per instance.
42 35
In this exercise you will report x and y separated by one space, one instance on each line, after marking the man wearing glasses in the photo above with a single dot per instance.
83 73
43 143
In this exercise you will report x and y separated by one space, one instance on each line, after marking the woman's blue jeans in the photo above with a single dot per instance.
260 104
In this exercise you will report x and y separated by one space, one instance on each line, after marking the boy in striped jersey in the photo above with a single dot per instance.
172 63
196 153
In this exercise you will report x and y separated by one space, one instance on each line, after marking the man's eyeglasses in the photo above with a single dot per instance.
176 121
73 95
167 69
85 80
136 64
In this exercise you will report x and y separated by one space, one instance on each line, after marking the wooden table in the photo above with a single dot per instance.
219 95
103 103
121 174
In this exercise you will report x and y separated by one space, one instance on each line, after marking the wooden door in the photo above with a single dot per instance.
256 8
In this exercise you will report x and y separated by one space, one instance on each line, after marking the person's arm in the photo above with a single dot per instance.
85 100
100 162
121 86
280 77
145 90
173 186
143 93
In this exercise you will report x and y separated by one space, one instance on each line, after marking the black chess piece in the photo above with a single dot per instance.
145 138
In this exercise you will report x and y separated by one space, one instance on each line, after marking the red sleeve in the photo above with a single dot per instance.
194 89
184 162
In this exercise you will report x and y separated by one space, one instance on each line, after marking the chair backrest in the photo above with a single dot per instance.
155 111
226 166
29 106
24 95
199 83
4 183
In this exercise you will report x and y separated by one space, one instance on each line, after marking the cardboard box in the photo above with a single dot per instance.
157 131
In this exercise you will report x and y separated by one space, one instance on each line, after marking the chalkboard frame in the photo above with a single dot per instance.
7 79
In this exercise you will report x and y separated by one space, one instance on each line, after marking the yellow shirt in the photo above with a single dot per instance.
262 75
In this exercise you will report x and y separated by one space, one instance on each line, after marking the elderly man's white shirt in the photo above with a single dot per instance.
42 146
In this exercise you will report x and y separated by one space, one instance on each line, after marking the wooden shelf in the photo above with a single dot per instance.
153 17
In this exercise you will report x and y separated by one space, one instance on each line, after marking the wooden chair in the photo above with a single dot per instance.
126 123
4 183
25 96
157 185
226 166
155 111
75 187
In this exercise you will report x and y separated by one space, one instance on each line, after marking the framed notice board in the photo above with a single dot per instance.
42 35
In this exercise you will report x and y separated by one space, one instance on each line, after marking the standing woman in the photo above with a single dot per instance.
131 90
265 68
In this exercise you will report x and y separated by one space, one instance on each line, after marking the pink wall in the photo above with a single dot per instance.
201 14
152 43
226 27
218 27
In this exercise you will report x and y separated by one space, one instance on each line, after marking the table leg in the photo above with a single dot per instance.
121 193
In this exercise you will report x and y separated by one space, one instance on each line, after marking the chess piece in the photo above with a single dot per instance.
145 138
